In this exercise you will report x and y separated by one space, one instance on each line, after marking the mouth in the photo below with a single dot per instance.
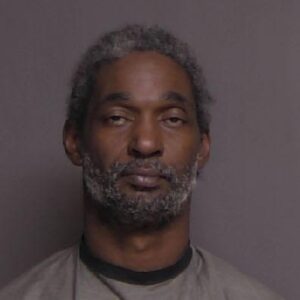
143 179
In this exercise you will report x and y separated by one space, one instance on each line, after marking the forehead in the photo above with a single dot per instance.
146 74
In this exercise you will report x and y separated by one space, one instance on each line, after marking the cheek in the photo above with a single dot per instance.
182 150
107 148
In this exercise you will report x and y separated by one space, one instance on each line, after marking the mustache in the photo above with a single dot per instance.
122 169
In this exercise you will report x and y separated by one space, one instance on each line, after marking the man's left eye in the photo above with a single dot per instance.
174 121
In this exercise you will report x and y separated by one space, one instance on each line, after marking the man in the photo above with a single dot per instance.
138 126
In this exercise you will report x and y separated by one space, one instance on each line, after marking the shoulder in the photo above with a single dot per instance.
44 280
231 282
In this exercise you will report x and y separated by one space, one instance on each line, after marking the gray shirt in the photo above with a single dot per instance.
65 276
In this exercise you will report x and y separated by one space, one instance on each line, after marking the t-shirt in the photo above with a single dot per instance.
65 276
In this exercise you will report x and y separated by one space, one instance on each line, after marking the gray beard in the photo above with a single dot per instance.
141 212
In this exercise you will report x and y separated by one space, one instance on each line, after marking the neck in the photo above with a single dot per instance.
138 251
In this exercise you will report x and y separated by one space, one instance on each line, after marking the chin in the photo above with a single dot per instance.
139 213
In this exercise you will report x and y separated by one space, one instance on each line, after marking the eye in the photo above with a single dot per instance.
174 122
117 120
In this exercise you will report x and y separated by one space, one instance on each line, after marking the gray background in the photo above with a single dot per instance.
246 207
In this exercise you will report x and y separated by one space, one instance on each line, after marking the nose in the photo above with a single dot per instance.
145 140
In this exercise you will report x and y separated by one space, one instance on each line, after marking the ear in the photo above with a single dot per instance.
204 151
72 143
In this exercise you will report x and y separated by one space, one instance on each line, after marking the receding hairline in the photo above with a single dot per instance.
117 44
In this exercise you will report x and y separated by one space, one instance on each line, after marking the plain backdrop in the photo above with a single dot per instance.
246 206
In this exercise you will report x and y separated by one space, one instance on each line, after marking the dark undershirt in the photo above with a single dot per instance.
101 267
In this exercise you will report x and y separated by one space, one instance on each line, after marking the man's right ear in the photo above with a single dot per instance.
72 143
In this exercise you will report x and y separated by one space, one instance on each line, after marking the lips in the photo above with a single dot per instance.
143 179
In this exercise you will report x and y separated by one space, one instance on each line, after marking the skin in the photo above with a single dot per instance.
142 107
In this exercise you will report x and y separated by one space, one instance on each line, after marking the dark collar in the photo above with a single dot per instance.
101 267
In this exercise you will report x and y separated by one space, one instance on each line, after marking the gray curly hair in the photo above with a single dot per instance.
119 43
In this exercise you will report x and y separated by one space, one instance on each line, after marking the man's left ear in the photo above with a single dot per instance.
203 153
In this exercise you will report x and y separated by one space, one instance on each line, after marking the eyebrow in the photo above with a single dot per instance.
113 97
121 96
175 96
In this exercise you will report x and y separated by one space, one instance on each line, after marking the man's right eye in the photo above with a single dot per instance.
116 120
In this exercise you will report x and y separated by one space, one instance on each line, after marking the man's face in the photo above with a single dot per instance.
141 140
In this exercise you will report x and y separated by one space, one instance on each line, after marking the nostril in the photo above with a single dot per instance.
138 154
145 148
